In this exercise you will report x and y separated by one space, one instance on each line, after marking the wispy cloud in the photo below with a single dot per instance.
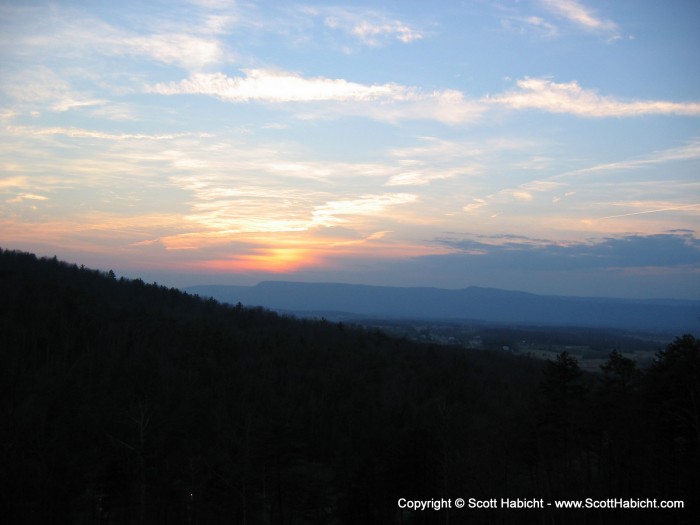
580 200
396 102
41 85
368 32
434 159
530 24
93 134
188 51
363 240
647 211
337 211
188 40
450 107
225 198
257 131
520 194
390 101
221 216
580 15
27 196
422 176
569 97
276 86
372 28
689 151
13 182
248 208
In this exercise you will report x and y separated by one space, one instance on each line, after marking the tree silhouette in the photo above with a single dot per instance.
124 402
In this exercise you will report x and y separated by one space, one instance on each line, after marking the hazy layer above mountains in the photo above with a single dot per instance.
472 304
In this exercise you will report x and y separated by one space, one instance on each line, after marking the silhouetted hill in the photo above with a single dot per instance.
473 303
130 403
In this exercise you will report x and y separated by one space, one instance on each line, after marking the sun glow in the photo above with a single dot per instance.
299 252
272 260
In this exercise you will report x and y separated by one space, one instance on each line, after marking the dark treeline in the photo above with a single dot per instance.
124 402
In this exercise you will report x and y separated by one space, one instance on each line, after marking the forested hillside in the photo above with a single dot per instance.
124 402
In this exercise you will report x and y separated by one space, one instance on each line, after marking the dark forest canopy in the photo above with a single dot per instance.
127 402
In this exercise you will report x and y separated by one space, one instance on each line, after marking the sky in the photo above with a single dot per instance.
549 146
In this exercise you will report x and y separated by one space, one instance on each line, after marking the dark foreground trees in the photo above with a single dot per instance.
131 403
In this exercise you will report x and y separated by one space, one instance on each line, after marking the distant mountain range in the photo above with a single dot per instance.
477 304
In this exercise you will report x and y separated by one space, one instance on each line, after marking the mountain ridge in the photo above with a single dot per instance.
471 303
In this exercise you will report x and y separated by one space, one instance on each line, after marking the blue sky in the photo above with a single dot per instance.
551 146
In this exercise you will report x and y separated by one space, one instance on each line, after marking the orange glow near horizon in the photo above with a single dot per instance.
272 260
292 255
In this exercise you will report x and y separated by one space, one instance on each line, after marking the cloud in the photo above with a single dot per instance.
13 182
391 102
372 28
39 88
433 160
526 24
93 134
228 205
214 4
190 52
647 211
569 97
635 191
275 86
373 32
581 16
355 242
640 266
475 205
368 32
190 47
420 177
628 251
689 151
41 85
436 159
449 107
333 212
541 186
521 195
26 196
187 39
275 217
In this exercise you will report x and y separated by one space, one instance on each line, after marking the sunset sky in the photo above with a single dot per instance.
550 146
